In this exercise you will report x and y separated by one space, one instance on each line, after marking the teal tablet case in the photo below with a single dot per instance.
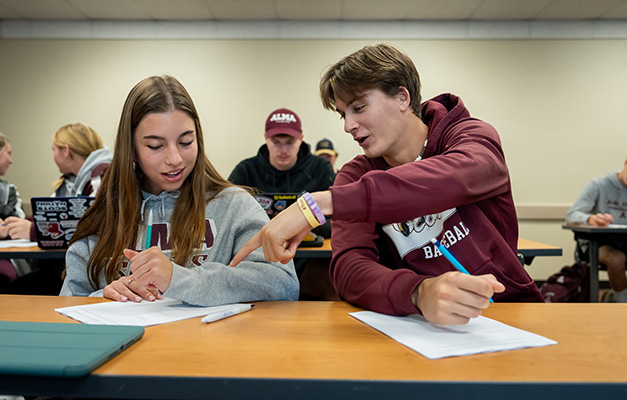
58 349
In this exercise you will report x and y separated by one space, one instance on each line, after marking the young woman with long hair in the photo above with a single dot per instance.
199 220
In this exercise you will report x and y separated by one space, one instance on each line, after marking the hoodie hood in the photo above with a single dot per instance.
103 155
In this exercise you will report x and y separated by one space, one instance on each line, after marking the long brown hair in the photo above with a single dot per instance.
115 215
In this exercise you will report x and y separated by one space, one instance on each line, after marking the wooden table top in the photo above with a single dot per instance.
319 340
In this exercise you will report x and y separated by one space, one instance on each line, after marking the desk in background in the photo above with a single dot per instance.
309 350
34 253
593 234
528 248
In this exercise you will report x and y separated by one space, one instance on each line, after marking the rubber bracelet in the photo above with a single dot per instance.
314 207
309 215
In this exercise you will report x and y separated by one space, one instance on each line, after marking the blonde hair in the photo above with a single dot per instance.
115 216
80 139
3 141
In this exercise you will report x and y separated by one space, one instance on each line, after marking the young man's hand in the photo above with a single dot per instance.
600 219
454 298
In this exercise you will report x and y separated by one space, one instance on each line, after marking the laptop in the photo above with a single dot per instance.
60 349
55 219
274 203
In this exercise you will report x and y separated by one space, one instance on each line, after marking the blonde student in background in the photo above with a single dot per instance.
199 219
429 171
82 160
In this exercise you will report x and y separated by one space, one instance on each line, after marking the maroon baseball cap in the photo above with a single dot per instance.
283 122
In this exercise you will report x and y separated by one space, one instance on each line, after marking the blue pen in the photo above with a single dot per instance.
449 256
149 230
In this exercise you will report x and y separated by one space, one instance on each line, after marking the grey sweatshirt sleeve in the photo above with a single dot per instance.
76 282
585 205
208 280
10 201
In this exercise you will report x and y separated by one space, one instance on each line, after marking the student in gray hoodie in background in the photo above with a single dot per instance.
82 159
199 220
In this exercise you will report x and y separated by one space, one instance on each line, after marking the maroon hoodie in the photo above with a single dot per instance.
459 193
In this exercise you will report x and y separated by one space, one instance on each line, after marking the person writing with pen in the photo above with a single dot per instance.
428 171
164 222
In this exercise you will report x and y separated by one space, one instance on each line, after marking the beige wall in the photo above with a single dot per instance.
559 105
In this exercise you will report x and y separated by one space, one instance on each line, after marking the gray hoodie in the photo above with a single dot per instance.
232 218
10 201
604 194
90 173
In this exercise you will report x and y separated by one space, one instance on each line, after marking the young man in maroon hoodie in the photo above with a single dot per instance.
428 171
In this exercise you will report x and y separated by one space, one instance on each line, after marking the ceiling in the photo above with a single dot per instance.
482 10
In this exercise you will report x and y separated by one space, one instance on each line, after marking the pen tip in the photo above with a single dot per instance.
434 240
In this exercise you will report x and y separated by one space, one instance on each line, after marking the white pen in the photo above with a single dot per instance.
236 309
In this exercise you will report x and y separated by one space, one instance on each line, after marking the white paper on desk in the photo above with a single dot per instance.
480 335
145 313
617 226
16 243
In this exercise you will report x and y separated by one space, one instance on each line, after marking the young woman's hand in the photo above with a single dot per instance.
454 298
127 288
18 228
4 229
150 268
151 273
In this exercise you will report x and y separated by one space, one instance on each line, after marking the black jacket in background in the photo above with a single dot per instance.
309 174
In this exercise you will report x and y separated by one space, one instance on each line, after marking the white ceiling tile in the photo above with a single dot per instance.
438 10
42 9
508 9
374 9
242 9
8 13
176 9
111 9
409 10
617 12
579 9
309 9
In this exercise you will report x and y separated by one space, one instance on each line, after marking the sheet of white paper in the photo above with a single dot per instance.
16 243
617 226
146 313
480 335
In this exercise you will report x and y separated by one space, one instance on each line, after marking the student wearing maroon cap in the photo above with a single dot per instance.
285 164
429 171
